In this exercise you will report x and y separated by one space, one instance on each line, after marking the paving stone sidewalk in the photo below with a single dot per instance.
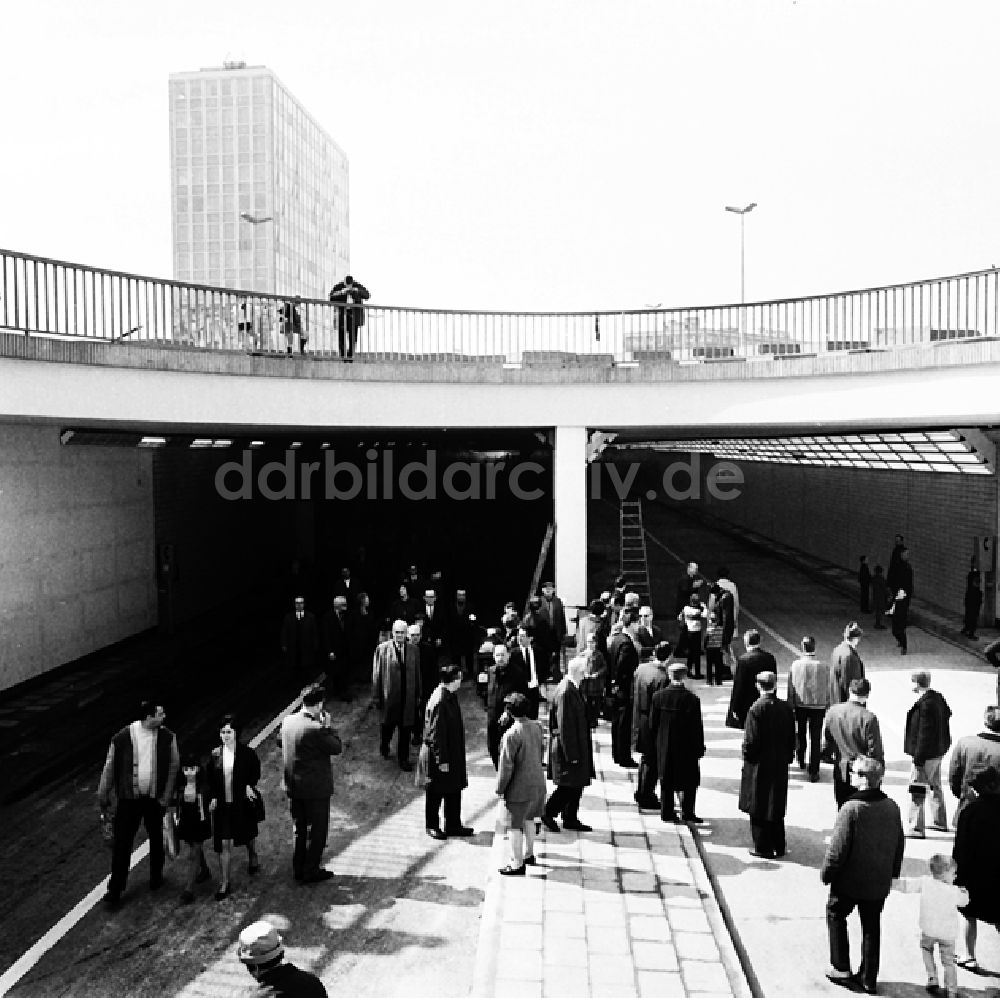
625 911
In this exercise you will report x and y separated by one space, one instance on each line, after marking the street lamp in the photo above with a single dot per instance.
742 212
254 221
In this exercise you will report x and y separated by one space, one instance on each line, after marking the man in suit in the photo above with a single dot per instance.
553 613
396 692
623 660
300 644
649 677
349 294
571 757
347 585
527 657
307 744
435 625
505 677
851 730
336 646
846 664
748 667
461 632
649 634
768 749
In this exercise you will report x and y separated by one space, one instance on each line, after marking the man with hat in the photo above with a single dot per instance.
678 736
262 952
336 644
554 613
851 730
748 667
768 750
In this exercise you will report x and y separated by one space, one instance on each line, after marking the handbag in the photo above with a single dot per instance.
421 774
171 845
256 802
107 822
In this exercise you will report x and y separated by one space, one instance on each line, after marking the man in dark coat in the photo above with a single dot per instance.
349 294
895 559
444 736
748 667
571 758
396 692
973 602
623 660
649 677
307 743
335 631
463 632
864 856
506 677
846 664
543 640
427 666
926 739
300 643
553 612
675 724
768 750
851 730
973 754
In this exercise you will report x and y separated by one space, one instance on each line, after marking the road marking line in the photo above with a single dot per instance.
33 954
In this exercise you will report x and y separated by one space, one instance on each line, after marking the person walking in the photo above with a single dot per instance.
194 824
748 667
940 922
927 737
971 755
768 750
262 951
521 783
846 664
444 737
851 730
678 735
649 677
571 758
396 692
900 613
137 782
809 697
978 860
307 743
233 774
864 856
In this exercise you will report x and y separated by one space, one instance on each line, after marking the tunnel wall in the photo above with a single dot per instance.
838 514
76 549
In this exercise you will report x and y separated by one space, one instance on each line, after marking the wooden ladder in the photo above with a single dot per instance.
633 549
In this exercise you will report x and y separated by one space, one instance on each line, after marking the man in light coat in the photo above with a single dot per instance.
396 692
809 697
307 744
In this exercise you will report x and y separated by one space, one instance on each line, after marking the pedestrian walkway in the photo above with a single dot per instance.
625 911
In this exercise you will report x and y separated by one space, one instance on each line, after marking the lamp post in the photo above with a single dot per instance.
250 318
742 212
254 221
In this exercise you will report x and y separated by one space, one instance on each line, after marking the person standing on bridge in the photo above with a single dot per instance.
348 295
138 776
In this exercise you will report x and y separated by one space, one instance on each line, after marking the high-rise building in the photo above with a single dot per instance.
258 190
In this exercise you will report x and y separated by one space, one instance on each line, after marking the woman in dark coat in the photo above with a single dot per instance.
444 740
978 859
768 750
506 677
233 773
675 722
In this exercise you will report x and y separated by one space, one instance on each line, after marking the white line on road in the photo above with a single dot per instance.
31 956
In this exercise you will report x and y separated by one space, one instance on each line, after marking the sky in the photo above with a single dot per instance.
542 154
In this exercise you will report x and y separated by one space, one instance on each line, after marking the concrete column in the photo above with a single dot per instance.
569 484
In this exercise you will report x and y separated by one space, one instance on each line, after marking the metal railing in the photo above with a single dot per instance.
42 297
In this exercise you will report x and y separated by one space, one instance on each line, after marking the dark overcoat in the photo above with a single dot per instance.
675 723
748 667
571 758
246 773
768 749
444 735
978 858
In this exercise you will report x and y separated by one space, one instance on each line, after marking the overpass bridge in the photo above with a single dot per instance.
884 383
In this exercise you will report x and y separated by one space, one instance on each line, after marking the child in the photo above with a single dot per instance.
193 823
521 782
692 619
940 900
714 635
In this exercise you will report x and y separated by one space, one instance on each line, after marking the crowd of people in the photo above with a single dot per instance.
619 669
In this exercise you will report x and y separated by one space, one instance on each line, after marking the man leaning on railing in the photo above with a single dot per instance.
349 320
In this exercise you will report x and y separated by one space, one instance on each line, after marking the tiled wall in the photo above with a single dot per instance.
76 549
